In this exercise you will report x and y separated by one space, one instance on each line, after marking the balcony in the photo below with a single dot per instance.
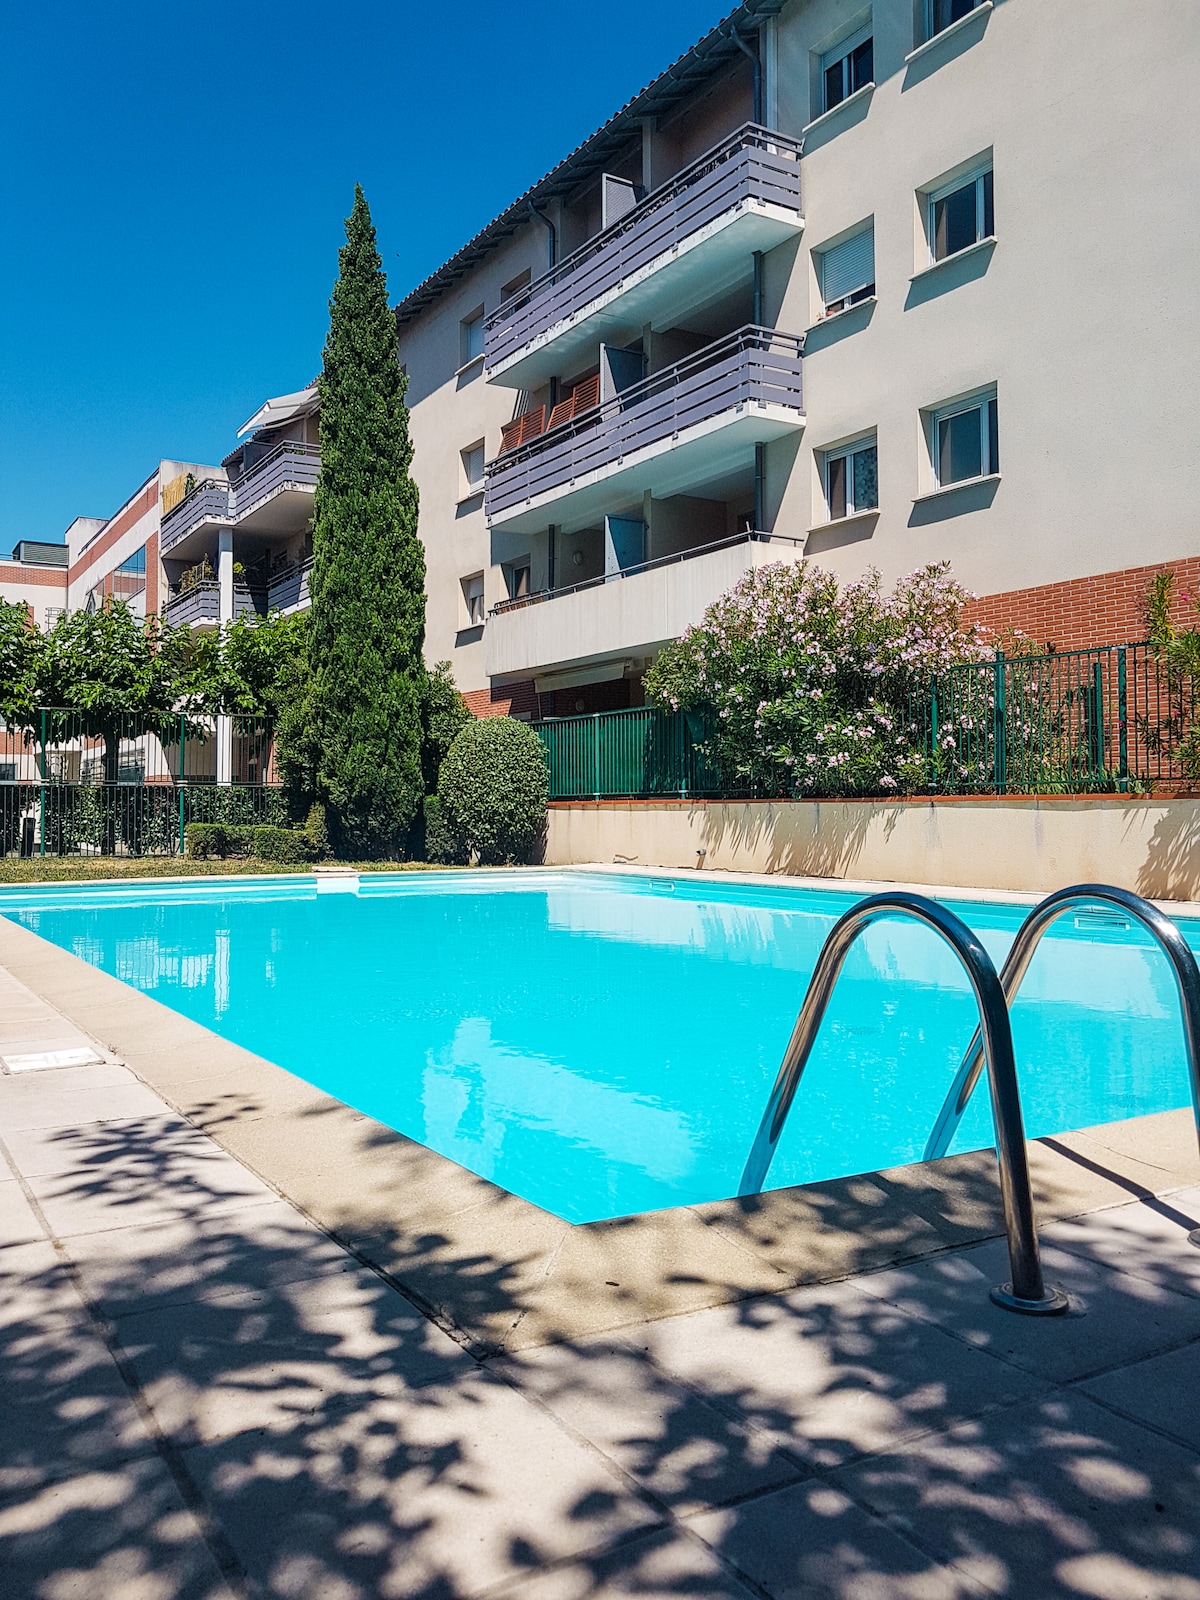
276 494
209 505
288 590
274 497
631 613
685 245
680 430
200 606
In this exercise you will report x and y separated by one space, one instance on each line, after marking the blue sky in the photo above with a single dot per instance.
174 179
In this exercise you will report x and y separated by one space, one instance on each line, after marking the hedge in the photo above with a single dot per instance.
492 793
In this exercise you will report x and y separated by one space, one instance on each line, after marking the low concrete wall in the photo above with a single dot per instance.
1148 845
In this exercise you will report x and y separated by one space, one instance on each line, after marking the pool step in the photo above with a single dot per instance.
337 880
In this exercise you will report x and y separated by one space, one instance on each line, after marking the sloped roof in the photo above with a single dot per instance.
696 66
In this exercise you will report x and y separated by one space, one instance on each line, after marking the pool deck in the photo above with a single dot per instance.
259 1345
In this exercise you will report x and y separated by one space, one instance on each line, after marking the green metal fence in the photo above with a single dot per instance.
70 785
1072 722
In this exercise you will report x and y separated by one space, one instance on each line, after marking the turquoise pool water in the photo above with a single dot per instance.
603 1045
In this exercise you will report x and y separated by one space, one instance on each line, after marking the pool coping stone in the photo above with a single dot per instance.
500 1273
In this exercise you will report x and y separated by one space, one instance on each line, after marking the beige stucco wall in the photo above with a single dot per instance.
1150 846
1084 315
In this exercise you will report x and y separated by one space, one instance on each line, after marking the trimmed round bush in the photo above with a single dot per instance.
493 789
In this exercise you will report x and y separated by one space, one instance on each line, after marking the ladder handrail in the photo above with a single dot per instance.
1029 935
1027 1291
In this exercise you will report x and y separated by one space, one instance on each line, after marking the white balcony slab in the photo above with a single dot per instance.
628 616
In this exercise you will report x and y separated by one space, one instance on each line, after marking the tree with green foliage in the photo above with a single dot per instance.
492 793
109 675
444 715
367 585
20 654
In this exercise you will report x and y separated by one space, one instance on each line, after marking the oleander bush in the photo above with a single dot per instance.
492 794
810 688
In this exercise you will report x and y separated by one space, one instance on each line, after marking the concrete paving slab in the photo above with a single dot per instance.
1114 1317
812 1542
18 1225
33 1086
1163 1392
65 1405
123 1533
667 1565
52 1107
461 1488
685 1452
1057 1498
265 1245
257 1360
36 1152
143 1173
831 1373
34 1285
1148 1238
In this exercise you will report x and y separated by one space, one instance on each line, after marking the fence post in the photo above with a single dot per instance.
595 755
999 727
42 795
1097 741
934 729
1122 723
182 770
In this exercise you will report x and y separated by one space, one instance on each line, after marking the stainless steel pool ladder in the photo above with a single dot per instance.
1161 929
1026 1290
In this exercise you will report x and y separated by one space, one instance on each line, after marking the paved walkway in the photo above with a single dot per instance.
206 1396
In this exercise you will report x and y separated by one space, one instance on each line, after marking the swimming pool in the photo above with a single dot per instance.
603 1044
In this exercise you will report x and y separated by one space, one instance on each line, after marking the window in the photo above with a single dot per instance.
960 215
472 589
847 271
939 14
515 285
517 576
470 331
965 440
847 68
852 479
472 460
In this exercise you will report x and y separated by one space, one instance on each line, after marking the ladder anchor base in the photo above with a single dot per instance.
1194 1237
1052 1304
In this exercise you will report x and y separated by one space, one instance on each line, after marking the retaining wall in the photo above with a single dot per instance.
1148 845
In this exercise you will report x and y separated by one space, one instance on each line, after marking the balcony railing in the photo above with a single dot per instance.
751 165
202 604
289 588
754 366
290 465
539 596
210 501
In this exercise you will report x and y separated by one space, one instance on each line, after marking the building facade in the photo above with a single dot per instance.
877 285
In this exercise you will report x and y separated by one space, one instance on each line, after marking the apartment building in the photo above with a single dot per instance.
878 285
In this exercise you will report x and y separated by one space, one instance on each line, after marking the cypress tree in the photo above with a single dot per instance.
368 578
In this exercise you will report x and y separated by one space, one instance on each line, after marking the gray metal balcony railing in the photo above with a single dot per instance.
289 587
752 164
539 596
202 603
750 367
210 501
291 465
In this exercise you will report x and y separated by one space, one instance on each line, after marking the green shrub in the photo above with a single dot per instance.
493 791
207 841
285 845
316 832
440 844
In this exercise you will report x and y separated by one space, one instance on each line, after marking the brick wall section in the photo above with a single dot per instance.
1106 609
507 700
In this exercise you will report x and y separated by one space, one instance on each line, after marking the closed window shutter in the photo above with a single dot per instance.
848 266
